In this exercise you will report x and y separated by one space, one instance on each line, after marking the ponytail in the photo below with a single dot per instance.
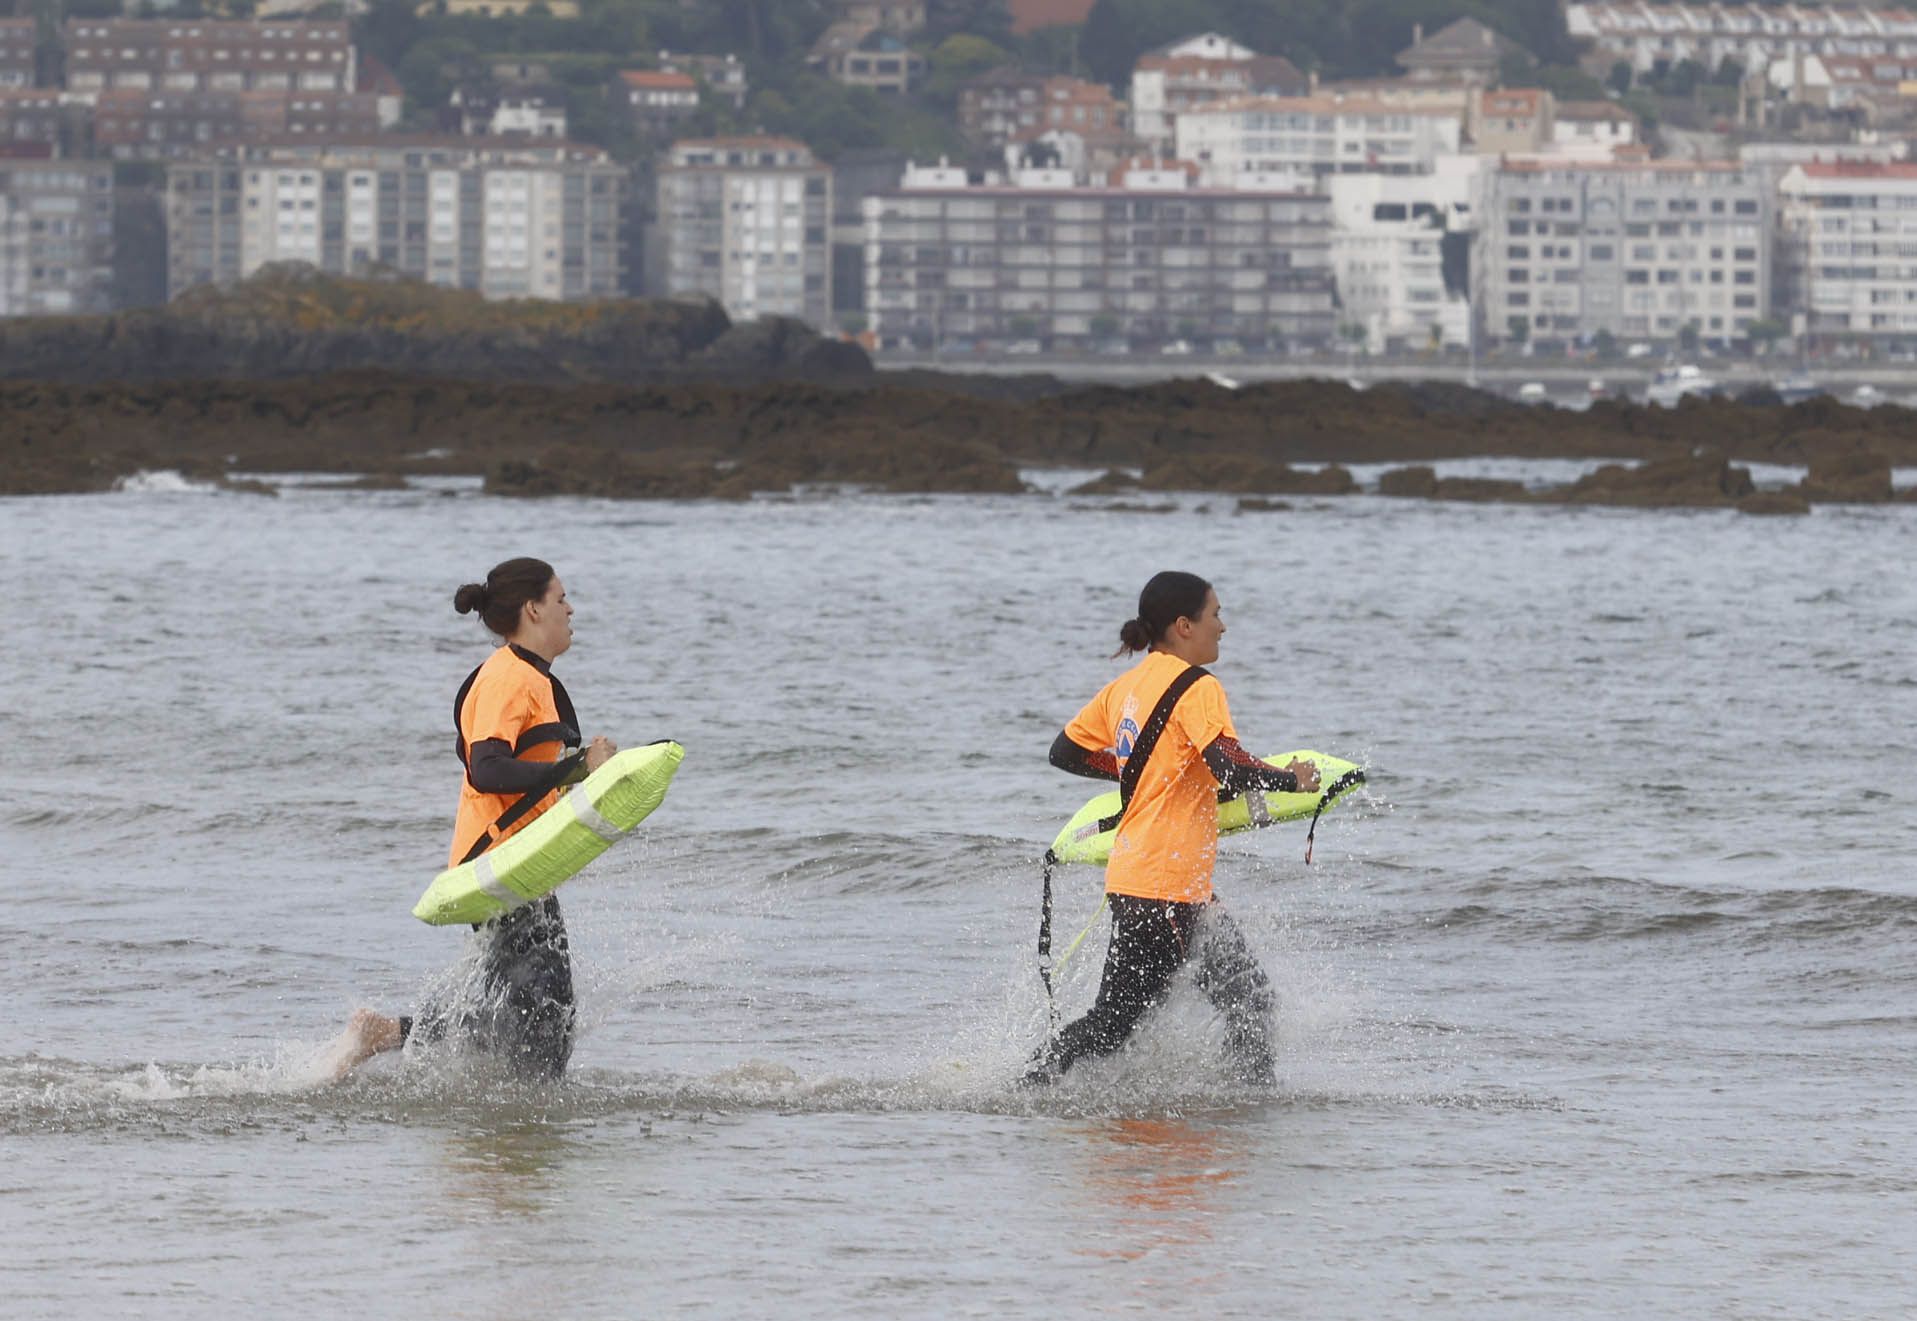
505 593
1167 598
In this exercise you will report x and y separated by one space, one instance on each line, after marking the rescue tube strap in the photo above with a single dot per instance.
561 772
1346 781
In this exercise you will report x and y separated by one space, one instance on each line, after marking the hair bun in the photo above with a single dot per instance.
471 597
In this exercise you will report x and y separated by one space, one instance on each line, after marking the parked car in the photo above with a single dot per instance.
1024 347
1638 351
1228 348
1177 346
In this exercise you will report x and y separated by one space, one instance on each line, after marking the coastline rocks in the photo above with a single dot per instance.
1770 503
1423 483
1861 478
1701 481
1244 474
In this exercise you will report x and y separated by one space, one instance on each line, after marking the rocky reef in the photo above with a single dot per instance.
664 400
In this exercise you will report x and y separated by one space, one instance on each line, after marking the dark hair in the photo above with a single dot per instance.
507 588
1167 598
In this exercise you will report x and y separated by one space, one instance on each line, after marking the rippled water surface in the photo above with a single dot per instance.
1600 1002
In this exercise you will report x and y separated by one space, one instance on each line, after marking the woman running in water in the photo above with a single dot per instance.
1172 713
518 741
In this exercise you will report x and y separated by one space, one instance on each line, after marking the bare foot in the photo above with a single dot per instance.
367 1034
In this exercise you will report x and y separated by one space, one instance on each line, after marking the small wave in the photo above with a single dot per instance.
162 481
1610 908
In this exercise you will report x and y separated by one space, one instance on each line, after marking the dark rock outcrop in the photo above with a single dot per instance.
1848 479
1702 481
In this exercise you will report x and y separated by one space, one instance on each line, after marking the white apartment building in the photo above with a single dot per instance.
1387 241
1311 137
745 220
1197 71
1645 35
56 237
506 220
1847 235
1641 249
1147 262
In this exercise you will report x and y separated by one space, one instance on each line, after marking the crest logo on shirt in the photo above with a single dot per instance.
1127 730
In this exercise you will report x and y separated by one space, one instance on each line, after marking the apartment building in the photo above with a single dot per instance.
1847 247
722 76
1200 71
745 220
657 100
56 237
509 218
38 119
208 55
129 124
17 41
1514 119
1592 127
1387 253
1148 260
1566 248
1313 137
1646 36
1008 106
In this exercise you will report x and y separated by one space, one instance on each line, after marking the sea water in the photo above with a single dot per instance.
1598 1001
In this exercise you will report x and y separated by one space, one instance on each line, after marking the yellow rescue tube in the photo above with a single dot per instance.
586 821
1083 841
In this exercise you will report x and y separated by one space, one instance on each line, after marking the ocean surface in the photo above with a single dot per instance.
1600 1001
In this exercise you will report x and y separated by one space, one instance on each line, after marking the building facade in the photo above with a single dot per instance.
208 55
1200 71
1313 137
746 222
1646 36
56 237
1847 240
657 100
1640 249
1387 254
1147 262
506 218
17 63
135 125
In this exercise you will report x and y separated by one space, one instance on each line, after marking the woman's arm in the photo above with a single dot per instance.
1237 771
492 769
1069 757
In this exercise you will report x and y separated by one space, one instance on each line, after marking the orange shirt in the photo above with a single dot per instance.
509 696
1169 836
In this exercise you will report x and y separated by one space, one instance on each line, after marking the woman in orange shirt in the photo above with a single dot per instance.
1170 712
518 739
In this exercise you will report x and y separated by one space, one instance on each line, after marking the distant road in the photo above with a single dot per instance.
1628 376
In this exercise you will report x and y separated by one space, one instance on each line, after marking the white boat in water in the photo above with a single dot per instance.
1796 389
1674 383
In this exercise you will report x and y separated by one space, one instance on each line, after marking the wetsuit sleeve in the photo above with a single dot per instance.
1239 772
1075 759
493 769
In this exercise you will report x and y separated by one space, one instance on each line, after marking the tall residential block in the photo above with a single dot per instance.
1847 234
745 220
1640 249
1149 261
508 218
56 237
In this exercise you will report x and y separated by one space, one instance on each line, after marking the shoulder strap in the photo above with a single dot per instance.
1148 739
